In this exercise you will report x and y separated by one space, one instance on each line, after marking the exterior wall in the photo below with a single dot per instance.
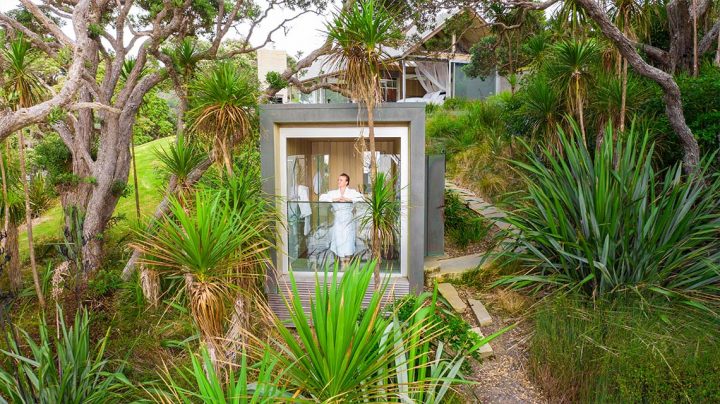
435 205
270 60
411 115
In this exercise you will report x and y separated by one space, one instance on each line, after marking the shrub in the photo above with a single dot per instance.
612 222
344 352
64 370
52 156
462 224
619 352
41 194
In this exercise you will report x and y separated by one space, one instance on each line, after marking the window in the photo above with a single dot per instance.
320 231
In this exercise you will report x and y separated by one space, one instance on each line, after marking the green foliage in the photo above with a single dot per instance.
344 352
41 193
51 156
275 80
202 383
701 107
155 120
180 158
382 216
474 138
623 352
463 225
66 370
604 224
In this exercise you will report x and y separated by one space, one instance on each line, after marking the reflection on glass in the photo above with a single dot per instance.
312 244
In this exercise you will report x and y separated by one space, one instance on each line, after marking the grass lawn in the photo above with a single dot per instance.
150 182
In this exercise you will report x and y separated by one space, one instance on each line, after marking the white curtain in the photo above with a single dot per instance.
433 76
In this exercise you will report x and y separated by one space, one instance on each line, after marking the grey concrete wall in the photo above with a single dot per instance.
435 205
412 115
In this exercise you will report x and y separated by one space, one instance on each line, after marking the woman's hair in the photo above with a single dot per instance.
347 177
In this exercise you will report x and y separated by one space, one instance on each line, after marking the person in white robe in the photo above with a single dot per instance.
342 242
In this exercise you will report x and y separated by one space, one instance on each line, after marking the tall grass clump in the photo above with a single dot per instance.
474 138
610 222
68 368
622 352
463 225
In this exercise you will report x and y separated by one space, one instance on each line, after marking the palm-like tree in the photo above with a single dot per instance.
223 109
360 34
571 68
25 90
205 245
184 57
542 109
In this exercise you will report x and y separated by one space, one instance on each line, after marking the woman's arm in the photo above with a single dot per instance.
326 197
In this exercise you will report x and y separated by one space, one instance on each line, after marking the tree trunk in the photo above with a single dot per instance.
12 251
671 91
29 224
623 97
135 179
6 202
373 177
680 24
579 101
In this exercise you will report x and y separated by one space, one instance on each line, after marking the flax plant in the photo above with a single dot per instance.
612 223
348 351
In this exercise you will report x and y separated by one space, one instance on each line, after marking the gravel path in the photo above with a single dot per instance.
504 377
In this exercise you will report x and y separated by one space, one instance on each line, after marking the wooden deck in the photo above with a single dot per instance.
398 287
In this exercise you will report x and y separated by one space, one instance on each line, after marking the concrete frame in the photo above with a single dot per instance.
412 115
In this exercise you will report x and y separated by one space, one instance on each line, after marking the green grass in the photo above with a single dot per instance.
150 182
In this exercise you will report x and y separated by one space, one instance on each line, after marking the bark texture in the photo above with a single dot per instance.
671 91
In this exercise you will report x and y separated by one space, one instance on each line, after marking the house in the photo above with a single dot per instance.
427 69
304 148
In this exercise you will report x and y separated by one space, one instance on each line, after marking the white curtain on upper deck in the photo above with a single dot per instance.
433 76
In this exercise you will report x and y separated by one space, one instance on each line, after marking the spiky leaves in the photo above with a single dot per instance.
180 159
611 223
206 245
24 87
223 108
360 34
382 216
571 69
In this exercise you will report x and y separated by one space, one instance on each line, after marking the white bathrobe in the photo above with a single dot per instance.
342 242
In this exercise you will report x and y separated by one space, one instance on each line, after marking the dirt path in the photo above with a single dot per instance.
504 377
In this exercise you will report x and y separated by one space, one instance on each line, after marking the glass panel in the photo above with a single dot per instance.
388 163
322 233
465 87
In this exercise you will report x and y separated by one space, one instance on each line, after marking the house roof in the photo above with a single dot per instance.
324 66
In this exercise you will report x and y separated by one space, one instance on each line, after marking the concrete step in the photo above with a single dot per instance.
486 350
450 294
481 313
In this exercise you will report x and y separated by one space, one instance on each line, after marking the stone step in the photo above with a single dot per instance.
450 294
486 350
481 313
